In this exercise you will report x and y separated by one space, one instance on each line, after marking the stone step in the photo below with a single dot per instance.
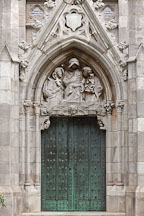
74 214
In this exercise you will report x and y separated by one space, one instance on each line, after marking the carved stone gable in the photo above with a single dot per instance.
72 87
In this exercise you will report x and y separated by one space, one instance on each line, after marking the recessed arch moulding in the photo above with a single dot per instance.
74 79
99 87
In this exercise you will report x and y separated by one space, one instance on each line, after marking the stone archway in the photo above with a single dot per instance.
38 110
73 89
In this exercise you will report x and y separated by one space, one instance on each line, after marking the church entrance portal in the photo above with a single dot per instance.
73 165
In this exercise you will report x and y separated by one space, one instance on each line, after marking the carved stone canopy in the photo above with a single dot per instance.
73 89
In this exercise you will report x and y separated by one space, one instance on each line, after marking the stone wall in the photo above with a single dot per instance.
30 50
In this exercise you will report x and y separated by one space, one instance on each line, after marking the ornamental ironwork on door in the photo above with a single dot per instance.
73 165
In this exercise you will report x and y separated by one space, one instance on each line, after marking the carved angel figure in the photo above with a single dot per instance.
73 82
93 88
53 88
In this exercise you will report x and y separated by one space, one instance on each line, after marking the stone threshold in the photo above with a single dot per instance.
74 214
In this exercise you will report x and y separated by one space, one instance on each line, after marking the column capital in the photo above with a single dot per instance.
120 105
27 106
37 107
109 105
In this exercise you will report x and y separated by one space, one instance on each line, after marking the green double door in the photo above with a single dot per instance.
73 165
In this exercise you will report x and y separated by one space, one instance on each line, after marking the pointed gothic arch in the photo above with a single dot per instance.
51 57
44 57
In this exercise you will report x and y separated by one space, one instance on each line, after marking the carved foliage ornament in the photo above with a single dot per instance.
99 4
112 24
45 124
24 45
49 3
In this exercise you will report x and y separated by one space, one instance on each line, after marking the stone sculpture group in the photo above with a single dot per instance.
72 84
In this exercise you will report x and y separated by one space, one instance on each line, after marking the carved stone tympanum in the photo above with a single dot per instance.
74 84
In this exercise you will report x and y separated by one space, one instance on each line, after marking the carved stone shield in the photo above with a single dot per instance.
74 21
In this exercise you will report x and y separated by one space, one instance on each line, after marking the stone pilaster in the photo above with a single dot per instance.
38 141
27 106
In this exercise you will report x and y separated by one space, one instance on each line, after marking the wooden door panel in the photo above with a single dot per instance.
73 165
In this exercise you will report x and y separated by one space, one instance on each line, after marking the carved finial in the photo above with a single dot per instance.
99 4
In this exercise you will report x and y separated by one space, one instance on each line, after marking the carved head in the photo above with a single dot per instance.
87 71
74 63
58 73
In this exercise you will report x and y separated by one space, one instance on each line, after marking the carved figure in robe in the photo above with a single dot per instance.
73 82
53 88
93 88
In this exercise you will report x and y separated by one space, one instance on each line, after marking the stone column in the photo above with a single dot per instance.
119 106
108 108
27 105
37 141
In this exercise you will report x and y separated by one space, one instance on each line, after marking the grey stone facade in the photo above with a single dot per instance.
36 37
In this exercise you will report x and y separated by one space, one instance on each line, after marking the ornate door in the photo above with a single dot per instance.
73 165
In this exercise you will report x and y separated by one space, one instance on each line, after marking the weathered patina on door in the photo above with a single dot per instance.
73 165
